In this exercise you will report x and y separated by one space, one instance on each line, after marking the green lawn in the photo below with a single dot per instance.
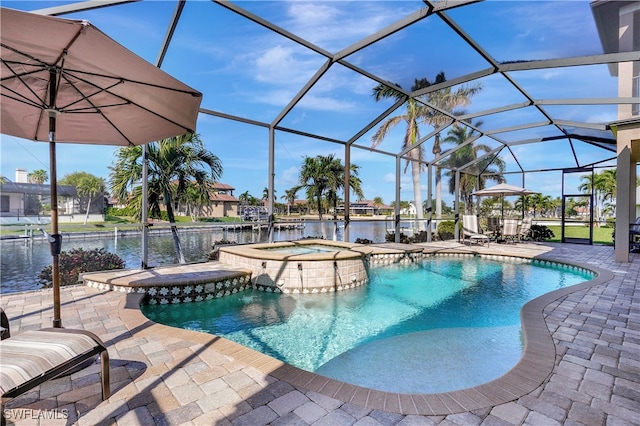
600 235
110 223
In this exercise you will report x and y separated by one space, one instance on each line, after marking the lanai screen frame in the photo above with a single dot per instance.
430 8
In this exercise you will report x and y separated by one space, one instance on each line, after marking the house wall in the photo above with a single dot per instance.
629 41
231 210
15 205
220 209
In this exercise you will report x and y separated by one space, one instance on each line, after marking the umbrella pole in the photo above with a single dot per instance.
55 239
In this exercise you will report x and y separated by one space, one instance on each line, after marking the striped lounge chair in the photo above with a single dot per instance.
510 230
471 231
33 357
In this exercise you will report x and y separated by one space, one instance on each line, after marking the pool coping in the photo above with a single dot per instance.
351 250
532 370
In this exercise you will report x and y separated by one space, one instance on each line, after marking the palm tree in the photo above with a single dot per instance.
265 194
194 200
603 185
174 164
39 176
446 100
248 199
472 178
535 202
290 197
88 186
417 113
322 176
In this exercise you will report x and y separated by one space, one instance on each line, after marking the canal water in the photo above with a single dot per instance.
23 259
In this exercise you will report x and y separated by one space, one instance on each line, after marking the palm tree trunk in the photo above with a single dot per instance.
319 196
417 192
438 193
86 216
177 246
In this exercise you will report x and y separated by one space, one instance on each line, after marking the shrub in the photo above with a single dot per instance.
77 261
540 233
209 219
391 238
363 241
120 212
446 230
420 237
164 216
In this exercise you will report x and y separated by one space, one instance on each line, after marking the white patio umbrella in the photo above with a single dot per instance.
66 81
503 190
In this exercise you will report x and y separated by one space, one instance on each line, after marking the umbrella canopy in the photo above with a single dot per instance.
102 92
503 189
65 80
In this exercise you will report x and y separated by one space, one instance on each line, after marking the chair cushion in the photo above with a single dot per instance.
33 353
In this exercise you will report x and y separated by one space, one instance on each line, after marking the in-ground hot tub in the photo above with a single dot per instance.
308 266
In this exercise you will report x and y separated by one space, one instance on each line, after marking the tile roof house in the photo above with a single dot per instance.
222 202
366 207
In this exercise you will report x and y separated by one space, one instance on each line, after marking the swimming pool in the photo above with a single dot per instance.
442 324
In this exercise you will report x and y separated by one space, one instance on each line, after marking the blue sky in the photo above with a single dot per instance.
246 70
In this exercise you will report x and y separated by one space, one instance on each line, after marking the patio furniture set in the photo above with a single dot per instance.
498 230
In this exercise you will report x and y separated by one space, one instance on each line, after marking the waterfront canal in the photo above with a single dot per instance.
23 259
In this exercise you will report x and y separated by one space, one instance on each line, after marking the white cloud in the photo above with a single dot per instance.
279 65
336 25
288 177
326 103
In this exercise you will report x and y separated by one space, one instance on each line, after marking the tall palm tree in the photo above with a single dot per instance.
174 164
446 100
39 176
472 178
417 113
323 176
608 185
90 187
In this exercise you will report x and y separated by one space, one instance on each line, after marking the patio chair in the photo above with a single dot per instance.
493 227
470 230
509 230
525 227
36 356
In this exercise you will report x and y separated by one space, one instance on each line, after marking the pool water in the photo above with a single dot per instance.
439 325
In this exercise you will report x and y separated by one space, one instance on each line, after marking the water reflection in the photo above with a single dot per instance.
23 259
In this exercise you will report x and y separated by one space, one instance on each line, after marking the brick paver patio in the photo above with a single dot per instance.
161 375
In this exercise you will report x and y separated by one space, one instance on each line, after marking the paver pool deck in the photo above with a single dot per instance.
161 375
